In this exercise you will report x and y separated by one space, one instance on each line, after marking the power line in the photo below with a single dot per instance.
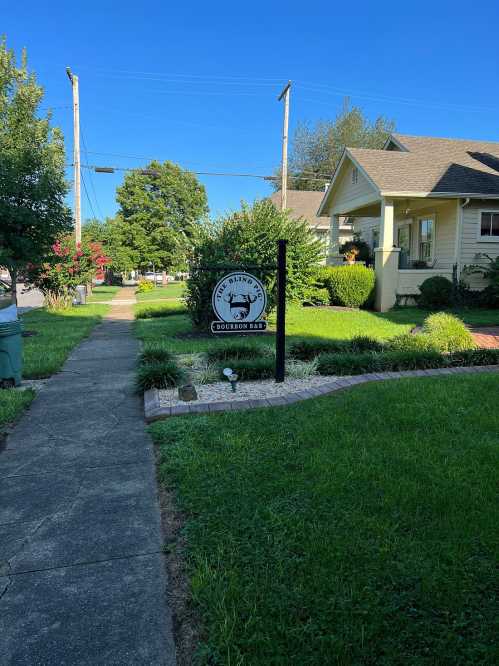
112 169
86 193
90 173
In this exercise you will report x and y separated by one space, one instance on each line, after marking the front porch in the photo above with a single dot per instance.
412 239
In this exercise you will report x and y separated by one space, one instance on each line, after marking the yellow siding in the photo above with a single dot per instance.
409 280
346 191
470 243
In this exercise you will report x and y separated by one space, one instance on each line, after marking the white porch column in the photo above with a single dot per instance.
386 260
334 256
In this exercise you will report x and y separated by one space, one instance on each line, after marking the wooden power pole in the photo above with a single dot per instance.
284 167
76 153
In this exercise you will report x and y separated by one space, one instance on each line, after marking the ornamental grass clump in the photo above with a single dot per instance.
447 333
154 354
160 375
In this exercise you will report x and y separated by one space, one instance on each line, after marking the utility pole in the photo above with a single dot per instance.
76 153
284 167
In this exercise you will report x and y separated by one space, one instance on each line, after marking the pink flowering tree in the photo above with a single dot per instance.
68 265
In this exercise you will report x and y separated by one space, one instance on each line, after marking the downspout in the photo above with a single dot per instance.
459 234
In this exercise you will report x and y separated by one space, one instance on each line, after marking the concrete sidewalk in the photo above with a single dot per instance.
82 578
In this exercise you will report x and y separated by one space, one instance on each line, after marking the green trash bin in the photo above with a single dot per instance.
11 358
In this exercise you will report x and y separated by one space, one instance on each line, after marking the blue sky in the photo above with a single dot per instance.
196 82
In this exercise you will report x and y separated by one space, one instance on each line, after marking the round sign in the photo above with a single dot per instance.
239 297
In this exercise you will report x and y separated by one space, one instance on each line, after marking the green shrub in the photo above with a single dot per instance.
144 286
411 342
249 369
237 350
159 375
160 310
357 364
362 343
316 296
349 286
436 292
447 333
249 237
306 350
474 357
154 354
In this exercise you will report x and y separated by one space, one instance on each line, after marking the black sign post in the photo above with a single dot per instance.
280 338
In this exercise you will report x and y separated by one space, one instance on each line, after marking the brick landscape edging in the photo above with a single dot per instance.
154 411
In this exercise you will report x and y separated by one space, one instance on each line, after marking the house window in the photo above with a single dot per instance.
355 176
426 238
489 225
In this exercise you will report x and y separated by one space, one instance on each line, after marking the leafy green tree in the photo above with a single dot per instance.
249 237
111 234
316 150
32 183
160 207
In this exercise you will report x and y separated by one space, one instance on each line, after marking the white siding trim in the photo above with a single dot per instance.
479 237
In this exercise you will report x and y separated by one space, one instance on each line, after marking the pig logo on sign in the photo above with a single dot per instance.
239 297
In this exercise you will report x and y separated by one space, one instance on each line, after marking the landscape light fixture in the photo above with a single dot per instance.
232 377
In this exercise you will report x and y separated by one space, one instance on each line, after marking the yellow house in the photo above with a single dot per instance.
428 207
303 204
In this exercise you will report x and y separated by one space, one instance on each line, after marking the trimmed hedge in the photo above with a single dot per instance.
436 292
349 286
447 333
160 310
306 350
237 350
393 361
357 364
249 369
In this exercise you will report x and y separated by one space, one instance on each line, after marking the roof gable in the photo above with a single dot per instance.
431 166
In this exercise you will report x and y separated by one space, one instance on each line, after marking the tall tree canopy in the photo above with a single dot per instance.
32 183
111 235
160 210
316 150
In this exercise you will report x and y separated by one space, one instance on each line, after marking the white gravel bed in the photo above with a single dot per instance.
222 392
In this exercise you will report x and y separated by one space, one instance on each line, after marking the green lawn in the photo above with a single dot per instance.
103 293
56 335
310 323
357 528
12 403
173 290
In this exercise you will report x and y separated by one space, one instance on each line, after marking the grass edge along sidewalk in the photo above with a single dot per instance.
356 528
53 337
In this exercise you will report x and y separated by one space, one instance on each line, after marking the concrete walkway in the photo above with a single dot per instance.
82 577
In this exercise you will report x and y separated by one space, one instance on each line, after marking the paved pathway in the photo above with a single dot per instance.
486 337
82 577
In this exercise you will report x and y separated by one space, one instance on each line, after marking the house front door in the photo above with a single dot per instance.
404 243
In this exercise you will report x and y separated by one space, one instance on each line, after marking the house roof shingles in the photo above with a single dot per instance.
450 166
303 203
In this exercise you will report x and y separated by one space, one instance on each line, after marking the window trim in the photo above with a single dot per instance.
355 175
479 237
434 242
